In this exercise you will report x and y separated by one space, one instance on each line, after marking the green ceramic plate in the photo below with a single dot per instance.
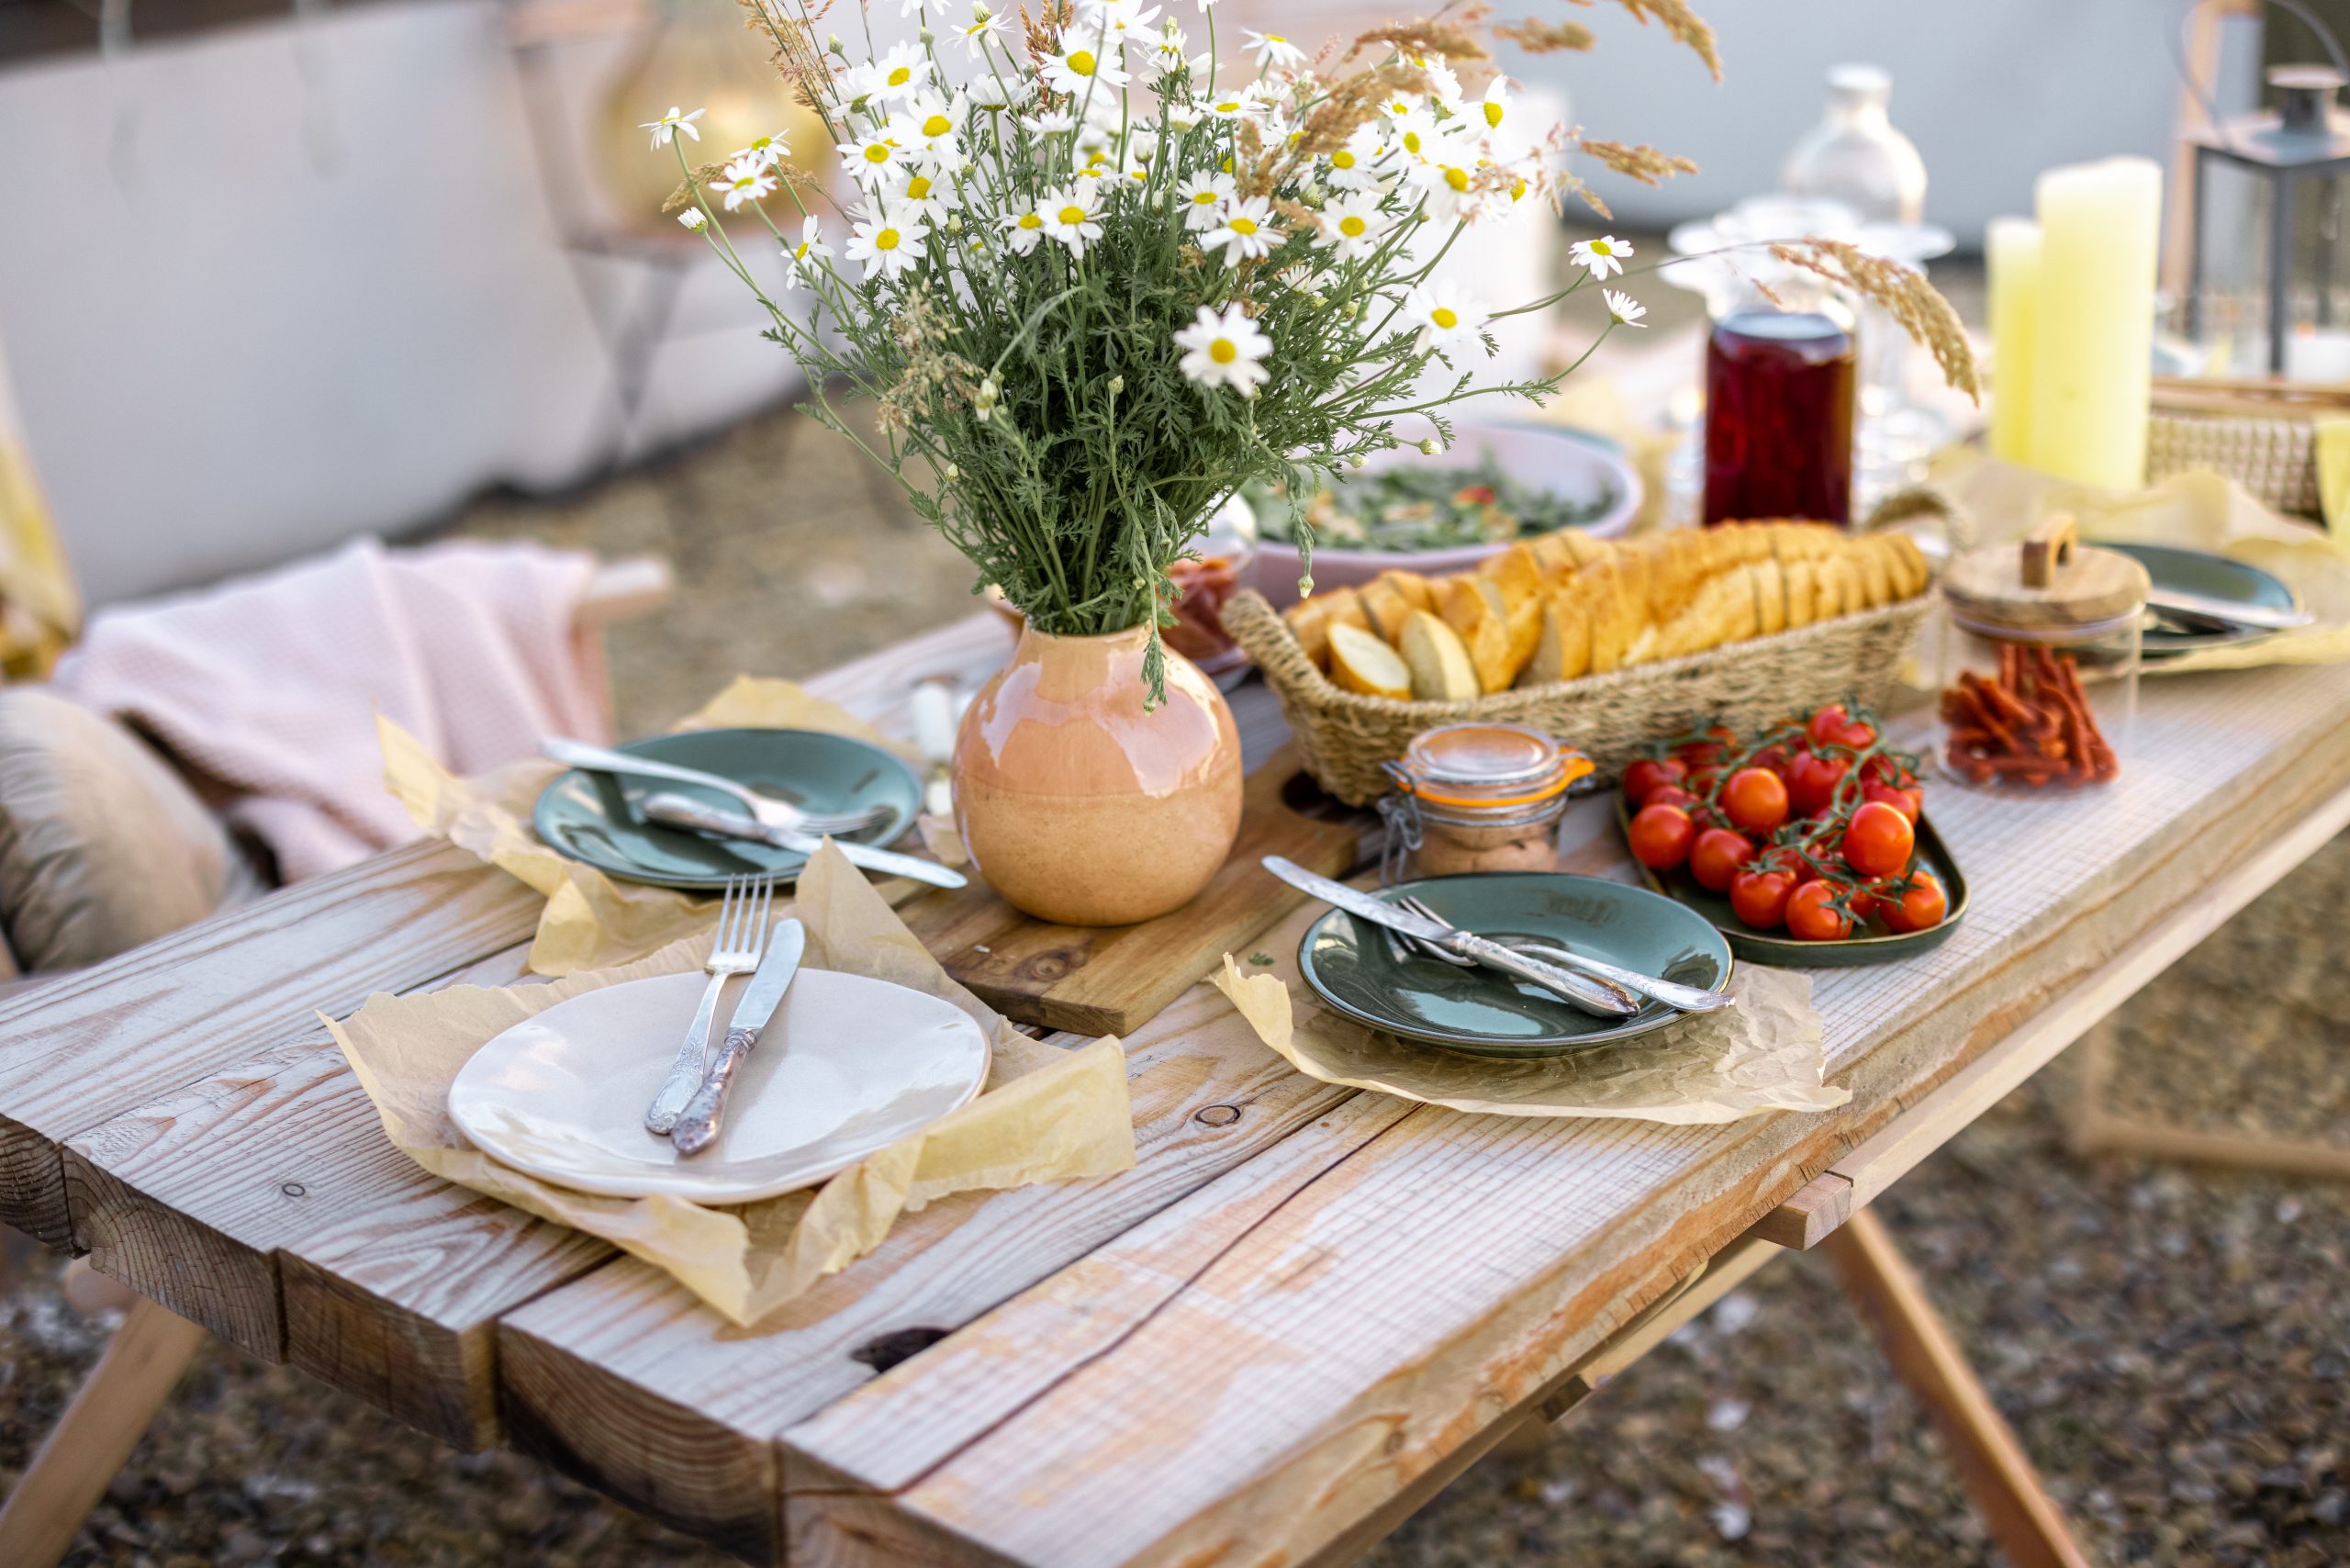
594 816
1875 946
1347 963
2213 576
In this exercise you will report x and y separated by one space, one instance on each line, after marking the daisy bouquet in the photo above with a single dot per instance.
1095 278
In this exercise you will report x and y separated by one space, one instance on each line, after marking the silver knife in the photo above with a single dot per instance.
684 811
697 1123
1492 954
2266 617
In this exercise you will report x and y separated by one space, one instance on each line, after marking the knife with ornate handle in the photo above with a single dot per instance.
697 1124
684 811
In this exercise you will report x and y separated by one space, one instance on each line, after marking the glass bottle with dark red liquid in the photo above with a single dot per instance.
1779 400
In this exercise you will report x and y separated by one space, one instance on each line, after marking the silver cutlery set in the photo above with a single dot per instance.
692 1099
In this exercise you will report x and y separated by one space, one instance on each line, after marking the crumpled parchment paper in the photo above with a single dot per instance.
591 920
1046 1115
1767 1054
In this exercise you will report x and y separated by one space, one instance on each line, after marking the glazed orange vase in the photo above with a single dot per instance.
1078 806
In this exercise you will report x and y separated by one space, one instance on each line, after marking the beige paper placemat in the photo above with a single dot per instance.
1767 1054
1046 1115
591 920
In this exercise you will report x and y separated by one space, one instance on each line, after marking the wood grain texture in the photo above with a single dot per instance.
94 1045
588 1368
1114 979
1362 1332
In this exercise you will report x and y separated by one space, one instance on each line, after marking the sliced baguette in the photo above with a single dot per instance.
1361 662
1438 660
1564 651
1483 631
1387 607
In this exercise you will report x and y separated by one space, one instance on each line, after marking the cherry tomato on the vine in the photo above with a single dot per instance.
1716 855
1755 799
1670 795
1878 841
1908 801
1924 906
1812 780
1660 837
1758 895
1812 917
1833 726
1651 773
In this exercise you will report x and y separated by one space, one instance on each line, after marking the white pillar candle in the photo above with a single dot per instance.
2093 340
2011 250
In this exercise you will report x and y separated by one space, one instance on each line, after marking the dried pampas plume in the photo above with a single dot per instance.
1546 37
1643 164
1901 293
1685 25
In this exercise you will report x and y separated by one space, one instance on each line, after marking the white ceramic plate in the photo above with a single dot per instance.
845 1067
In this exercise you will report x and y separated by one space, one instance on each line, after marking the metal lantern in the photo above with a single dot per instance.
2305 144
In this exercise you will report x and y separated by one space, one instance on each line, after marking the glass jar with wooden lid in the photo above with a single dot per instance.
1477 796
2031 631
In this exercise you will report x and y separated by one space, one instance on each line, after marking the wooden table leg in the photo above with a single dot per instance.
109 1416
1992 1464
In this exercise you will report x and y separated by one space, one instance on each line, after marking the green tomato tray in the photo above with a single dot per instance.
1874 946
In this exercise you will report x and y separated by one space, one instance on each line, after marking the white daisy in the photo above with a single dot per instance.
1350 166
1605 256
1069 215
693 219
984 29
1024 230
995 94
905 72
800 262
745 179
1443 85
1622 308
877 163
1414 134
1247 231
1272 49
1447 176
1082 62
1202 198
1049 122
1166 50
887 246
1352 226
1397 104
929 196
668 125
933 125
1447 318
1225 351
1230 105
1122 21
1495 104
767 149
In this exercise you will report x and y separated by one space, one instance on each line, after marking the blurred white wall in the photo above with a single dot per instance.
269 288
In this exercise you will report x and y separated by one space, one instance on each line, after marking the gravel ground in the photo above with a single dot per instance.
2170 1342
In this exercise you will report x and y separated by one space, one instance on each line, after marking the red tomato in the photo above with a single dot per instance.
1924 906
1670 795
1715 745
1862 903
1812 780
1879 840
1715 856
1774 757
1833 726
1760 895
1702 779
1660 837
1810 916
1908 802
1755 799
1648 774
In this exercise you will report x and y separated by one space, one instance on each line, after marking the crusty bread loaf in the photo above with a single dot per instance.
1565 605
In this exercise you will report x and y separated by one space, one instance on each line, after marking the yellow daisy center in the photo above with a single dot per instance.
1411 142
1602 248
1493 113
887 240
1517 188
799 253
1204 198
878 154
1244 226
918 187
1353 228
1082 62
1222 351
1444 316
1229 106
1072 214
1342 159
901 75
1030 220
1275 37
1457 178
937 125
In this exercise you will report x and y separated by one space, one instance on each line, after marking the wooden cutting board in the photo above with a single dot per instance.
1113 980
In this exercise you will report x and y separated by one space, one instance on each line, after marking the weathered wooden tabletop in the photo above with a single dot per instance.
1303 1310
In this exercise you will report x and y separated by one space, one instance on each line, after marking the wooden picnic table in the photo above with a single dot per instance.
1303 1312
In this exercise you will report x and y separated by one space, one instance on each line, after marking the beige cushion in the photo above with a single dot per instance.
102 846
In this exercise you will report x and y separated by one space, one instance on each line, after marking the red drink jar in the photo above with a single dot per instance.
1780 395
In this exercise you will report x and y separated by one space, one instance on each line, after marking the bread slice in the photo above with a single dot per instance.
1601 590
1482 629
1346 610
1387 607
1769 583
1907 563
1586 551
1309 623
1512 584
1856 592
1551 553
1564 651
1361 662
1412 586
1876 583
1438 660
1802 579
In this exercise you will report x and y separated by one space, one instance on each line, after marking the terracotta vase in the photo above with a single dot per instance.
1078 806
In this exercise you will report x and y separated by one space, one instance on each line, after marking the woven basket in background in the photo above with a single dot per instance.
2275 458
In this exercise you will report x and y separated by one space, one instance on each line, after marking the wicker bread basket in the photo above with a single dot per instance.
2276 459
1342 737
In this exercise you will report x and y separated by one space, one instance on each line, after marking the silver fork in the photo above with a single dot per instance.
766 807
742 936
1551 952
1616 987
